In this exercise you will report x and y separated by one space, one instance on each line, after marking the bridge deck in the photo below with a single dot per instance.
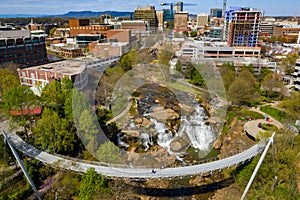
133 173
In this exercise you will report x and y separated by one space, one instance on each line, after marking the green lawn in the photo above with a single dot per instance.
269 127
250 113
275 113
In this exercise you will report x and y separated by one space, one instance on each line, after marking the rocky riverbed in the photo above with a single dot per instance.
167 124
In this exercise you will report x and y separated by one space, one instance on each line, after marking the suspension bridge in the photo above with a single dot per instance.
132 172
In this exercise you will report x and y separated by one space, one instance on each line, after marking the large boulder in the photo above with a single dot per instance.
132 133
143 122
217 144
187 108
179 144
161 114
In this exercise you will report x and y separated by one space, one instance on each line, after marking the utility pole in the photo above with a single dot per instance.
6 139
271 141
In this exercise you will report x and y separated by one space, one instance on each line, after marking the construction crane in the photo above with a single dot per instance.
224 8
172 14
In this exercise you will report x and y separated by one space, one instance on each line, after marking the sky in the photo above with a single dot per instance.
270 7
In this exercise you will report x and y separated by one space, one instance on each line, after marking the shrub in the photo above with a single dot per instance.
252 114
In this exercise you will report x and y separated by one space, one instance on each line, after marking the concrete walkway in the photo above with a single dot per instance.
122 113
130 172
251 127
273 121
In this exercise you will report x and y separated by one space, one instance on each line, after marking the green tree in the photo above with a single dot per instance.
185 33
271 83
193 75
56 93
164 55
88 130
263 73
244 89
6 155
109 153
228 78
178 66
53 133
284 165
33 167
19 99
8 79
291 105
290 60
272 39
63 185
193 34
129 60
52 31
250 68
282 39
92 184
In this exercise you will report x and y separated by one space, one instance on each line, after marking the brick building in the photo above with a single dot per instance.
181 21
289 32
107 50
140 25
71 52
45 74
82 26
120 36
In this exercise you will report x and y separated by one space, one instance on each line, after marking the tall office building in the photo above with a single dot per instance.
181 21
148 14
178 7
160 19
202 19
242 27
215 12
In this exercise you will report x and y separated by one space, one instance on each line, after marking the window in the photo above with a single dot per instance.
33 77
24 77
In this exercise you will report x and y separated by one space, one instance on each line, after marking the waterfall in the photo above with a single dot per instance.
201 135
146 139
120 142
164 137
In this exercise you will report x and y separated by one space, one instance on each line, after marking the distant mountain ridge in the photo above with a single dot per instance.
79 14
71 14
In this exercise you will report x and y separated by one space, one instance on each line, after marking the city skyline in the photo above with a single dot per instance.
276 8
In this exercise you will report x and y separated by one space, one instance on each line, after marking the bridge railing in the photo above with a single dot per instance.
32 151
162 165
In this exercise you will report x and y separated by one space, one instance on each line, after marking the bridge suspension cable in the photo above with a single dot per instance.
6 139
271 141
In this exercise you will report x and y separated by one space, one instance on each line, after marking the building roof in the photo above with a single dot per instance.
15 34
27 111
65 67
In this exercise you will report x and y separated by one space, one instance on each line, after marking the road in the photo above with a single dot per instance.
101 65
